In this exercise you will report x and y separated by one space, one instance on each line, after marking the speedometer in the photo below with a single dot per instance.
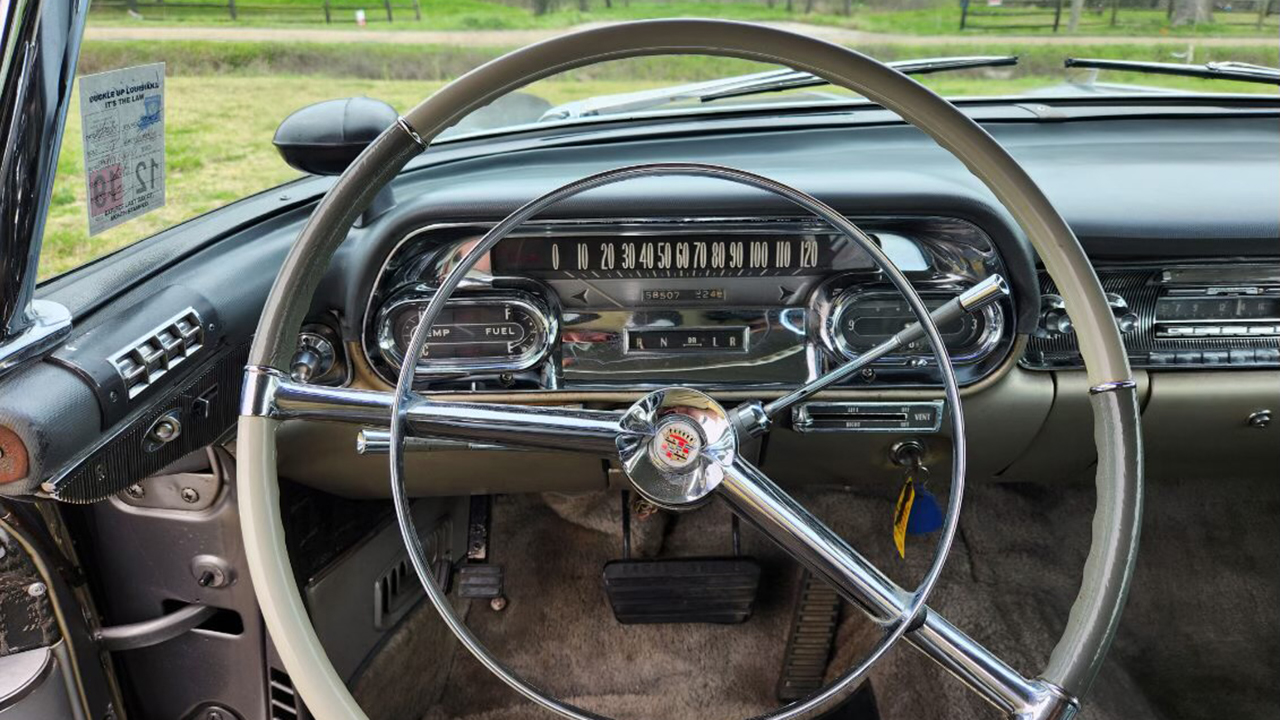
490 332
674 256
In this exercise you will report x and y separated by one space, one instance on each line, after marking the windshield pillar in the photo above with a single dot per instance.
41 44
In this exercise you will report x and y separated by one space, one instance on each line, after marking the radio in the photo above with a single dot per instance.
1218 312
1180 318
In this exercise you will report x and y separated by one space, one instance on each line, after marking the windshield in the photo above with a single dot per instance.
214 80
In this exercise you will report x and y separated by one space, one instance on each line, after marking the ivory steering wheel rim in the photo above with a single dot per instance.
269 398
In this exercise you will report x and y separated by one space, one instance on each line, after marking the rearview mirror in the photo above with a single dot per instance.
324 138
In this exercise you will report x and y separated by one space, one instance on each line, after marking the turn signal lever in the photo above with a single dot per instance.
378 442
753 419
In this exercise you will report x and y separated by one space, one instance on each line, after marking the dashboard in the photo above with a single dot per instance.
688 281
723 303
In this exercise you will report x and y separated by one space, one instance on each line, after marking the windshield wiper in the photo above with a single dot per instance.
1245 72
756 83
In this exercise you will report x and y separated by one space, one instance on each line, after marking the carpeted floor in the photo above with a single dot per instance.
1200 639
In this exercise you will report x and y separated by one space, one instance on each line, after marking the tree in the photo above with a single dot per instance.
1192 12
1077 8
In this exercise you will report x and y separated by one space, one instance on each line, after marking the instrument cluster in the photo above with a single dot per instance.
723 303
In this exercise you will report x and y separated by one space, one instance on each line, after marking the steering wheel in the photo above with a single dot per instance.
709 464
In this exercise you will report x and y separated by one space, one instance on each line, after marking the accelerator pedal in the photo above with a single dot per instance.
720 590
813 632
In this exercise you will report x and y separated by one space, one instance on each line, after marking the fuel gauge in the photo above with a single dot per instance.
506 331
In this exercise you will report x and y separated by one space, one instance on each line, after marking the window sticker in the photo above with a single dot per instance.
122 120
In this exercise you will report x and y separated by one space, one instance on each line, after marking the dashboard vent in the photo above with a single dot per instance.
148 358
397 586
397 589
285 704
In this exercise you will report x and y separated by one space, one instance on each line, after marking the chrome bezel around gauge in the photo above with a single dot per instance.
546 321
834 341
783 347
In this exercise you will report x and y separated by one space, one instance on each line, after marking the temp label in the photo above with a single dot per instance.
122 121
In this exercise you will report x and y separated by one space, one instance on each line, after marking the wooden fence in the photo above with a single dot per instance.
1053 14
375 11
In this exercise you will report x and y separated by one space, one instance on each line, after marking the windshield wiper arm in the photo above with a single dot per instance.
790 79
763 82
1244 72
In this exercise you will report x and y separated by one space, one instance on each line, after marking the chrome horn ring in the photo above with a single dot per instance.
690 480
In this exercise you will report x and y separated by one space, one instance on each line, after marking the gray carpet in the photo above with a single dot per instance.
1200 637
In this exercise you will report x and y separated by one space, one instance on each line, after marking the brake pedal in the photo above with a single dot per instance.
479 581
720 590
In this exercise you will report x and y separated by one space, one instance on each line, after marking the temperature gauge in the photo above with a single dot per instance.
493 332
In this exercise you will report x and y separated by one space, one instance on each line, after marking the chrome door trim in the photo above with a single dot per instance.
41 46
49 322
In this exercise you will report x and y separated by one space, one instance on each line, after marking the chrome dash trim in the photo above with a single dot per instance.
749 372
413 134
1113 386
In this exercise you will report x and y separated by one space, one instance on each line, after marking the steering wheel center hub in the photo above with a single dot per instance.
677 444
674 447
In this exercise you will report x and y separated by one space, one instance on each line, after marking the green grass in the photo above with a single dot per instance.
447 14
945 20
218 147
942 18
224 101
385 61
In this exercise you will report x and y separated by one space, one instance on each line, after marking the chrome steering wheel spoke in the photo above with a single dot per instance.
756 498
680 449
270 393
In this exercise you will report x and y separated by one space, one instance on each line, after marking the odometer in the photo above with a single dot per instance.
492 332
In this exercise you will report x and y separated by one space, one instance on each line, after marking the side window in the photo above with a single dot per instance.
164 145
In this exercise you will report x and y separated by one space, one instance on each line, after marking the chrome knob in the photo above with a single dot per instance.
313 359
1126 319
166 429
305 364
1054 320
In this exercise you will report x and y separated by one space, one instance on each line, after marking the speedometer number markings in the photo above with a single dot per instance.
672 256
